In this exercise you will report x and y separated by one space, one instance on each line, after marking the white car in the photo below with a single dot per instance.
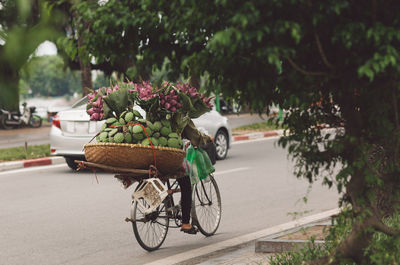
71 130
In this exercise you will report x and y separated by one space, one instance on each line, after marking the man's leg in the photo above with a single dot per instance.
186 198
186 203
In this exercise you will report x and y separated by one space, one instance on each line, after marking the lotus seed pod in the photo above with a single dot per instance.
113 132
137 129
138 136
154 141
165 131
115 124
128 138
157 125
111 120
150 125
156 135
122 121
119 137
142 121
129 117
173 135
174 143
166 123
162 141
103 127
148 131
145 142
103 136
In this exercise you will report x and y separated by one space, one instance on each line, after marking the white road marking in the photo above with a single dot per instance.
29 169
230 170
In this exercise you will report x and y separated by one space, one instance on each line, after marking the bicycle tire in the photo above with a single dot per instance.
142 234
207 203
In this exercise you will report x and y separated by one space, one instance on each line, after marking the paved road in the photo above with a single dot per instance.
51 215
35 136
18 137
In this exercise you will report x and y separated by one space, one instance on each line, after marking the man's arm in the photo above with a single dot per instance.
197 138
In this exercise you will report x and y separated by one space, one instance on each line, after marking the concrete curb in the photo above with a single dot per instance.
31 163
204 253
257 135
59 160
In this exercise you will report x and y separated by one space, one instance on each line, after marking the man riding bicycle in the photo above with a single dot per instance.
196 138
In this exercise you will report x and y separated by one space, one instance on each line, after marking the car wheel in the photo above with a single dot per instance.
221 143
71 162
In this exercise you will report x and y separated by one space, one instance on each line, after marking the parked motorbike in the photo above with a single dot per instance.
9 120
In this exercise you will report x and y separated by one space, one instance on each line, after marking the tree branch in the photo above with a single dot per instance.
396 121
373 11
304 72
321 52
378 225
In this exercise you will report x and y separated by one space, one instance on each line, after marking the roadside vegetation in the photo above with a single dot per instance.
257 127
376 253
19 153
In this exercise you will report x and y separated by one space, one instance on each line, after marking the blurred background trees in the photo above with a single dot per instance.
23 26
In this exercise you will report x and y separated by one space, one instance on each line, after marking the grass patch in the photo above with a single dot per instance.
19 153
257 127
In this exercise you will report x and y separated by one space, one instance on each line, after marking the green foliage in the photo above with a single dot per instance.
101 81
48 76
23 26
19 153
378 253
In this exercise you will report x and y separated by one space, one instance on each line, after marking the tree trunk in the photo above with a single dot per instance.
86 76
194 81
83 56
9 80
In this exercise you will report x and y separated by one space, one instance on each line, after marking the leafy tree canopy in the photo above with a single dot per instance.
23 26
48 76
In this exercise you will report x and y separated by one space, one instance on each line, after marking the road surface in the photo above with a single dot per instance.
36 136
52 216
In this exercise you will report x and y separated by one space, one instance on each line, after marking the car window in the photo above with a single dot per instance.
80 103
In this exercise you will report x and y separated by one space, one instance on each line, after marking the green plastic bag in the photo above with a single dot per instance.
200 164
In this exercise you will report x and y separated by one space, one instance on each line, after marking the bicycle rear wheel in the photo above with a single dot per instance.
206 208
150 229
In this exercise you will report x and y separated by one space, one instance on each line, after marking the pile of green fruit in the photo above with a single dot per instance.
130 128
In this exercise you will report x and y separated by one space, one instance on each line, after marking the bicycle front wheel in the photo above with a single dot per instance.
206 208
150 229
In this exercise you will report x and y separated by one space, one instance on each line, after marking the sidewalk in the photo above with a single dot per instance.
242 249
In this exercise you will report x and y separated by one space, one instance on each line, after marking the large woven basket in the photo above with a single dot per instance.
168 160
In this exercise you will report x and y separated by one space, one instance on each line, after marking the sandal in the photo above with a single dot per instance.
193 230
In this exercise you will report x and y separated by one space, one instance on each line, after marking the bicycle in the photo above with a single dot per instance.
151 229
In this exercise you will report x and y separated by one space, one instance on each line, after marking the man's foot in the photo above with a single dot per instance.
189 229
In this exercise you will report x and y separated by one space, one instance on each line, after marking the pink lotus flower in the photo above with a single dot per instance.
90 111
